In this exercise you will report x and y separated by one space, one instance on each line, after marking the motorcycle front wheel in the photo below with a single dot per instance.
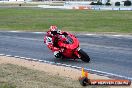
84 56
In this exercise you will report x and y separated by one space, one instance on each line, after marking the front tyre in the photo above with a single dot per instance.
84 56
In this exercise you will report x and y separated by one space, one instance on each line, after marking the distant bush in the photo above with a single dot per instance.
108 4
92 3
127 3
97 3
117 4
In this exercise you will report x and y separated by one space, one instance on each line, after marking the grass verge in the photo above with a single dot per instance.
13 76
37 19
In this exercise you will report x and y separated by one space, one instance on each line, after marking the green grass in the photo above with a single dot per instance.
6 85
37 19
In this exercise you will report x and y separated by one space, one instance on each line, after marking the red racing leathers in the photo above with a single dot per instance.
50 41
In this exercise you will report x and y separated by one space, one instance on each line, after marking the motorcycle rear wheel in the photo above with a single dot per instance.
84 56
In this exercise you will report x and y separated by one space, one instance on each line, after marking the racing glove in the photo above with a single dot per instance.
65 34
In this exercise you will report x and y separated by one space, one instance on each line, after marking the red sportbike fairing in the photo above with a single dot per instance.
69 48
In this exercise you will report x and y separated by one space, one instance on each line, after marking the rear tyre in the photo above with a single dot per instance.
84 56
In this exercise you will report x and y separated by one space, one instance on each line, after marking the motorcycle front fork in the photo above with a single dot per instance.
76 52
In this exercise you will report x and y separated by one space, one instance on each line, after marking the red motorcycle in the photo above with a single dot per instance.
69 48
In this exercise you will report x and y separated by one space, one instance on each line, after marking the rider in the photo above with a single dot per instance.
52 34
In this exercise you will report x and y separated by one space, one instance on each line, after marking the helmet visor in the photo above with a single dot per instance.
54 32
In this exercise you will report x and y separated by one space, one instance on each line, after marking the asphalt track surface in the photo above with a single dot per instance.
111 54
